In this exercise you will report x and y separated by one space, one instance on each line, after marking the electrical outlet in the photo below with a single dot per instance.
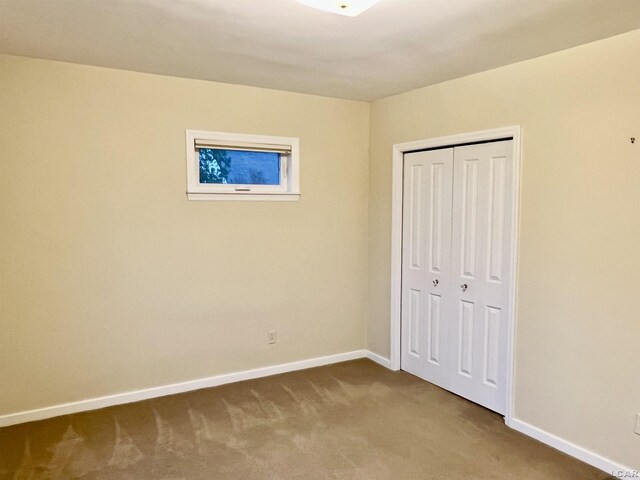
272 337
637 430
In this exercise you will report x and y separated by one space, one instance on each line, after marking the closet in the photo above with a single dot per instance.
456 268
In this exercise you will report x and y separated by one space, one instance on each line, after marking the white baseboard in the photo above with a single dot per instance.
581 453
379 359
138 395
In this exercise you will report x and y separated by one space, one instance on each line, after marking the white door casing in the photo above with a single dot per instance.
457 229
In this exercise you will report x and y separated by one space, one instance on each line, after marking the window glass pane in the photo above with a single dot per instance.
239 167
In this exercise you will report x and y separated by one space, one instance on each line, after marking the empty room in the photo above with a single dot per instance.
319 239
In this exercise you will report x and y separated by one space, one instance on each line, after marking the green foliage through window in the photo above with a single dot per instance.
215 166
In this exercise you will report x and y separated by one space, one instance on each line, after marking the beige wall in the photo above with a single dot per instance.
112 281
578 324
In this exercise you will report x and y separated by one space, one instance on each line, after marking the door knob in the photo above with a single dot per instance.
436 282
464 287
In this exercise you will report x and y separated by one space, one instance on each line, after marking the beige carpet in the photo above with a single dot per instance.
353 420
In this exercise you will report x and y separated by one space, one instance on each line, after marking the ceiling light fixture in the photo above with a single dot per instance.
348 8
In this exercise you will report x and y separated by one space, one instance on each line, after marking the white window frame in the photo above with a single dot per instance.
287 190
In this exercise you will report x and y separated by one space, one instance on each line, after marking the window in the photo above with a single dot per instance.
231 166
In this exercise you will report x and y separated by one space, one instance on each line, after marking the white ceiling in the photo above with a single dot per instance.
396 46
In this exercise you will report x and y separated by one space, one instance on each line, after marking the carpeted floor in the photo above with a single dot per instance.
354 420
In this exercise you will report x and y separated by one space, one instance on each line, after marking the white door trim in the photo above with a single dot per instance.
399 150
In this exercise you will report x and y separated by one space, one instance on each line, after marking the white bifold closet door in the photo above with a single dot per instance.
456 269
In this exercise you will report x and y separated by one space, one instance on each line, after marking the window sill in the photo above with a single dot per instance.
251 197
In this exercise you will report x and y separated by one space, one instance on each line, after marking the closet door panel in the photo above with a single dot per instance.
481 248
426 263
